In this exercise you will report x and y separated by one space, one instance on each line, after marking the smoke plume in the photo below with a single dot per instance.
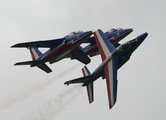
52 107
8 102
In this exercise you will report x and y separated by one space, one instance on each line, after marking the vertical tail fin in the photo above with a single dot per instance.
35 53
89 87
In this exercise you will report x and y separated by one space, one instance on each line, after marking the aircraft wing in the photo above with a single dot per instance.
24 63
80 56
45 68
110 70
43 44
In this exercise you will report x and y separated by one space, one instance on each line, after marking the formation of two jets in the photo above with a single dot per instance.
113 55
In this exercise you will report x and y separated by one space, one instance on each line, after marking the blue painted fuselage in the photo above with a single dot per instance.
122 58
113 35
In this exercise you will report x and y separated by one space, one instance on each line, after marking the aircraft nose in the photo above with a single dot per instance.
126 31
142 37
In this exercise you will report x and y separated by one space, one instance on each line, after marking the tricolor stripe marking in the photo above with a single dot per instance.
34 54
105 48
89 87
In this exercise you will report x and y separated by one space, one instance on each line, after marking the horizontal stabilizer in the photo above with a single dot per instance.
78 80
24 63
45 68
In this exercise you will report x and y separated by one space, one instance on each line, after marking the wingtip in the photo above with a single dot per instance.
66 84
16 64
49 71
15 45
12 46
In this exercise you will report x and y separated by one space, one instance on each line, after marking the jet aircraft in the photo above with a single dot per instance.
114 36
68 47
58 49
112 59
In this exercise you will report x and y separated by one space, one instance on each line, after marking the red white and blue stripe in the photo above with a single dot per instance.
35 53
110 70
89 87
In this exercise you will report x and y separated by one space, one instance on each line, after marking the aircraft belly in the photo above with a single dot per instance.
57 54
60 56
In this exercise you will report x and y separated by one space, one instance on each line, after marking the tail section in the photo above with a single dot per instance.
89 87
35 53
87 77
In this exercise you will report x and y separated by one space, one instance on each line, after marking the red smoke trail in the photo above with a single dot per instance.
48 82
30 91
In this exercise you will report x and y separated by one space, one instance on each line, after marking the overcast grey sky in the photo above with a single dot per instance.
30 94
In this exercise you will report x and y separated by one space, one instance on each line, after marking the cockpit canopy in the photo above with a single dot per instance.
114 30
74 33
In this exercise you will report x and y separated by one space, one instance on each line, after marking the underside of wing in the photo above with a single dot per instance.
43 44
90 92
24 63
45 68
80 56
110 71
